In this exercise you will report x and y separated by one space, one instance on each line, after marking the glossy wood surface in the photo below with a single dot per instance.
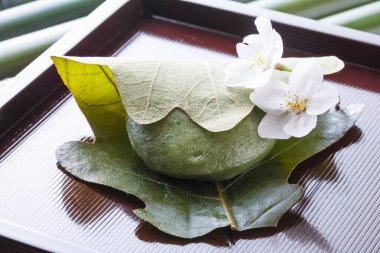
339 212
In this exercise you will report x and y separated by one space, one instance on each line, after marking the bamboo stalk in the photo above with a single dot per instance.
365 18
18 52
5 4
41 14
310 8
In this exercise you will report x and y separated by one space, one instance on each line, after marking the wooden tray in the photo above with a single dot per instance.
42 207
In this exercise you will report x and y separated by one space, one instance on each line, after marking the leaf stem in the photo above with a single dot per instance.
225 207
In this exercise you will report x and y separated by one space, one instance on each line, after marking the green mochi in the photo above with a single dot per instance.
176 146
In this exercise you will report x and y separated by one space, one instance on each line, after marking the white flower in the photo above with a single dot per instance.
292 108
258 54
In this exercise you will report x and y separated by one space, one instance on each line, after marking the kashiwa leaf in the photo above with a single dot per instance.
173 208
329 64
93 89
149 90
189 209
273 172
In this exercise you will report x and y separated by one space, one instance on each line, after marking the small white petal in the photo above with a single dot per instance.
238 74
271 126
264 27
354 109
277 50
306 77
323 99
281 75
271 97
260 78
300 125
244 51
253 40
261 52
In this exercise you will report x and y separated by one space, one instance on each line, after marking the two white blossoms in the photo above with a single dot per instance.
292 107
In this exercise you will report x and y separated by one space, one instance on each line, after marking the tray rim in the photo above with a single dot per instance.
40 72
237 18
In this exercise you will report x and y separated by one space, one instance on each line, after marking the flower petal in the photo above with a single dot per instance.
264 27
277 50
300 125
325 97
244 51
260 78
281 75
237 74
306 77
271 97
253 40
271 126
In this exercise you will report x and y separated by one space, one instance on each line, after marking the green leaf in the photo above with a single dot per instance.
329 64
189 209
172 206
97 97
270 177
149 90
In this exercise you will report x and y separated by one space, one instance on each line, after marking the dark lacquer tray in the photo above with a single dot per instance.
44 208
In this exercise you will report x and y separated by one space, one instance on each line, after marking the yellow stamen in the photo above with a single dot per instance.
295 104
258 60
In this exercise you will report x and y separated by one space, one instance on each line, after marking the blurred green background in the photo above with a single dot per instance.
29 27
357 14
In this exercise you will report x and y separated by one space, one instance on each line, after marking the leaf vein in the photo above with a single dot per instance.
215 90
165 184
193 86
263 211
225 207
150 89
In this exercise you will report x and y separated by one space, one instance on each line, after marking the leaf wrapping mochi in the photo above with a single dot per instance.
257 198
